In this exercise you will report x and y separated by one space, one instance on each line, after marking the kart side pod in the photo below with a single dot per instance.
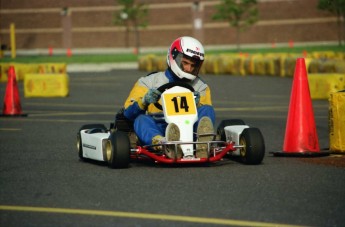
93 144
233 134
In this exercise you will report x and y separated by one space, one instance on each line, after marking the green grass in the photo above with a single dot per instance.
298 49
99 58
130 57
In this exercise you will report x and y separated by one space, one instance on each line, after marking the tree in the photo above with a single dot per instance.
132 16
241 14
337 7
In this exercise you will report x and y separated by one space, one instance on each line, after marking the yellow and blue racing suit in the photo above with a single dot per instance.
149 121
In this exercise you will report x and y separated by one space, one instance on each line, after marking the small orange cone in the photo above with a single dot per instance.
69 52
135 51
50 51
12 105
300 133
305 53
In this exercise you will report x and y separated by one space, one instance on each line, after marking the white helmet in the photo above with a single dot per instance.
185 47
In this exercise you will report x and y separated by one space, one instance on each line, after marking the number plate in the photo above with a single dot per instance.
179 103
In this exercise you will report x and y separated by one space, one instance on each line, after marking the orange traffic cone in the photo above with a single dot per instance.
300 133
12 105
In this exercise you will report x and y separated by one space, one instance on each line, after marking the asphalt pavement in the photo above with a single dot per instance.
43 182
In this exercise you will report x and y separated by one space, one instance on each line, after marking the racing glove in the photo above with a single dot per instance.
152 96
197 97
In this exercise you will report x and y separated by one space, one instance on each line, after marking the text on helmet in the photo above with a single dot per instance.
195 52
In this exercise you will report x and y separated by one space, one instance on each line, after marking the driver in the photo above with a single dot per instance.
184 58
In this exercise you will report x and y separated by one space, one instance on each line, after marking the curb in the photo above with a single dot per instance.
103 67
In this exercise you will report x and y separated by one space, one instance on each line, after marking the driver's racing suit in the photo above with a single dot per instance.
149 122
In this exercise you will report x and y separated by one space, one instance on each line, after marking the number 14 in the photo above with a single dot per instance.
183 104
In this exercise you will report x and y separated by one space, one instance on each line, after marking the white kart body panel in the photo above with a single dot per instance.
93 144
185 122
233 134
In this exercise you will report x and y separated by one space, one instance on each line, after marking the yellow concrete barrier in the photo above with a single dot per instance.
51 68
248 66
22 68
281 63
323 54
141 63
3 71
340 55
19 68
252 65
337 122
226 64
260 63
273 64
159 63
146 63
322 85
46 85
211 64
327 66
289 66
340 66
314 66
239 65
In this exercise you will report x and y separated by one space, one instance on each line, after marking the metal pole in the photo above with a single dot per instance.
66 28
13 40
197 12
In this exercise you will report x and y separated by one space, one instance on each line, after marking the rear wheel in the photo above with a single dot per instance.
253 150
80 147
118 150
79 141
224 123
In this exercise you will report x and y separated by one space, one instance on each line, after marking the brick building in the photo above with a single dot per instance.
89 23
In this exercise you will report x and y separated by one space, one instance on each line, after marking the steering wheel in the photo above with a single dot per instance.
170 85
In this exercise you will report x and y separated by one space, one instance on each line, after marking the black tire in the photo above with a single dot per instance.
253 151
80 147
118 150
229 122
79 141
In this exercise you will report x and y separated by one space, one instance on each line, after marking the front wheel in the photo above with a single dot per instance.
253 150
118 150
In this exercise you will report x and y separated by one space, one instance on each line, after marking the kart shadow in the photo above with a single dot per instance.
93 162
235 159
148 163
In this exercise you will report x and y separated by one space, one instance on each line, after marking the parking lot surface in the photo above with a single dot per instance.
43 182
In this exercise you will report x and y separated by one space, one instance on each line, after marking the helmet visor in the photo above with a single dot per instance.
188 64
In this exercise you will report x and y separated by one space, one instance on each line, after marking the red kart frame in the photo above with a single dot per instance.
218 153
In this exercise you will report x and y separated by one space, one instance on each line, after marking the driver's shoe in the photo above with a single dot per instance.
205 133
158 140
172 133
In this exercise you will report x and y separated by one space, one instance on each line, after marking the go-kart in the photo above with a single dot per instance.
119 145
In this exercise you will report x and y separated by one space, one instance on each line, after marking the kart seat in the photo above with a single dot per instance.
122 123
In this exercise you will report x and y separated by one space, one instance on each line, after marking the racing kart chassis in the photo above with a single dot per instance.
119 144
217 153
